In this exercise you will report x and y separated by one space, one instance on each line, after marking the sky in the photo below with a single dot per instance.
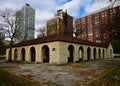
46 9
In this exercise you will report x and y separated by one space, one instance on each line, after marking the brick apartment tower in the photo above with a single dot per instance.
61 23
92 27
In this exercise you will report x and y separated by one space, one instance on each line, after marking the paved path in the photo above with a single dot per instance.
76 74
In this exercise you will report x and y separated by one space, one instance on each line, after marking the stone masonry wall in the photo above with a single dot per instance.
59 53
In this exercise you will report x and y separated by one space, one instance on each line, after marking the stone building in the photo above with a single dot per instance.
25 22
59 46
94 27
61 23
59 49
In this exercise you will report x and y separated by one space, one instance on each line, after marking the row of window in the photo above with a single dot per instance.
104 16
98 21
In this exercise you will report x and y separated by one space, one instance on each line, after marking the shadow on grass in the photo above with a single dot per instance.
9 79
112 78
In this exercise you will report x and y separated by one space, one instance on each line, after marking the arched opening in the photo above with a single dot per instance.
23 54
81 53
88 53
33 54
103 53
45 54
71 51
99 53
15 54
94 53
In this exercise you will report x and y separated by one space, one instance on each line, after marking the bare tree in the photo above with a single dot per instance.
42 32
1 39
113 2
115 20
8 19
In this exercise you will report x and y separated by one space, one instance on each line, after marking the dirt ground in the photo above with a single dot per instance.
73 74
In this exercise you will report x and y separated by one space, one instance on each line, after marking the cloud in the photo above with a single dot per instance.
45 9
72 7
61 1
42 16
98 4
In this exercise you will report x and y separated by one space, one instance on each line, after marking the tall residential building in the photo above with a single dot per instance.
93 27
25 23
61 23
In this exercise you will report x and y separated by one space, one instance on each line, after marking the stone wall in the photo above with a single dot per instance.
59 52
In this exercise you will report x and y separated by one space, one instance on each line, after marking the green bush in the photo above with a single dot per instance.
116 46
3 49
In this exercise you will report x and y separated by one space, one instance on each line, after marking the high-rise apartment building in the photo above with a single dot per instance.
61 23
93 27
25 22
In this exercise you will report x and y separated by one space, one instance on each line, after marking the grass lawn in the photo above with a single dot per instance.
111 78
9 79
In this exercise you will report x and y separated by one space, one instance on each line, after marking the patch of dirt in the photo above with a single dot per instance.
30 77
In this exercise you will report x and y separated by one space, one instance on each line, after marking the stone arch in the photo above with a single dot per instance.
23 54
71 53
32 54
95 53
99 54
81 53
15 54
45 54
103 53
88 53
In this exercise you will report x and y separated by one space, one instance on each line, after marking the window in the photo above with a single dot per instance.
90 34
89 18
102 14
105 14
98 35
83 20
96 18
84 34
106 35
114 11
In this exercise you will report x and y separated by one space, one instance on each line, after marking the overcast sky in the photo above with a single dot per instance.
46 9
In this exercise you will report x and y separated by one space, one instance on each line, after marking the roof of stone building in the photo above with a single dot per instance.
58 37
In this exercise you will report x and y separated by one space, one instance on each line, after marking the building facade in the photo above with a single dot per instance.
59 49
94 27
61 23
25 23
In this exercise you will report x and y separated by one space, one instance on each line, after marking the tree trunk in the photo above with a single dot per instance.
10 53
